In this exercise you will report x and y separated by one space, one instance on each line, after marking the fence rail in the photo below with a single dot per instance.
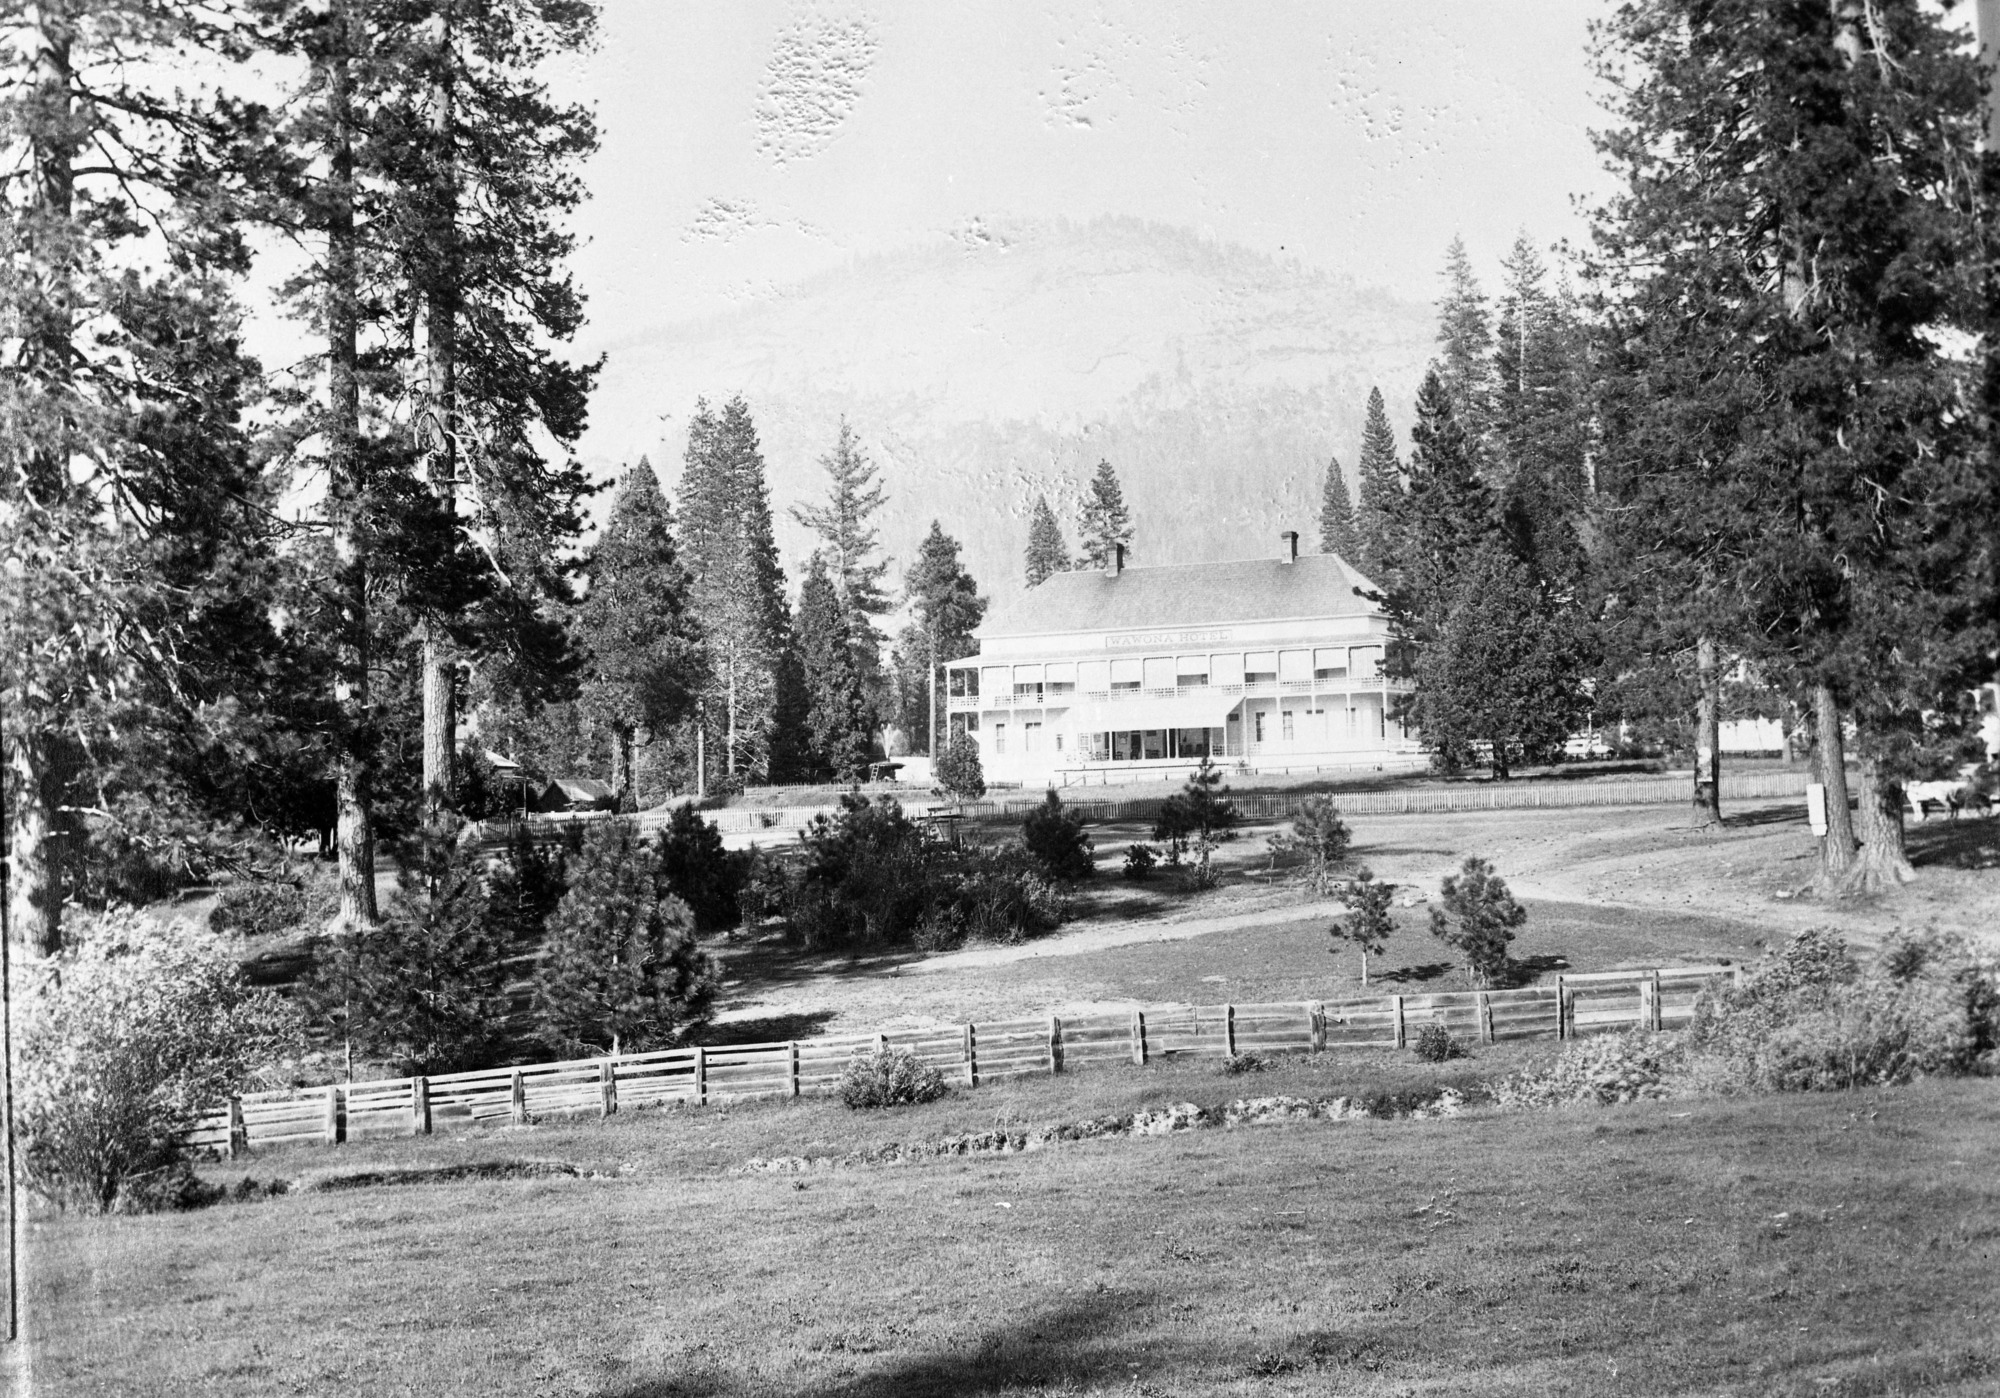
970 1054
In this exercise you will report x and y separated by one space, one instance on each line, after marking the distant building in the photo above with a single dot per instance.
576 794
1264 663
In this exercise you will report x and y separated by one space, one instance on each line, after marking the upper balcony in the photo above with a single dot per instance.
1040 697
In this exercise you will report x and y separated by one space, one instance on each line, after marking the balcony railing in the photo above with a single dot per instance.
1351 684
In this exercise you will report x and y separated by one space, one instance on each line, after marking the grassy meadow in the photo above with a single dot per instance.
1832 1244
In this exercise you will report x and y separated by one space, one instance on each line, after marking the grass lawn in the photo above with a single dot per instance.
1836 1244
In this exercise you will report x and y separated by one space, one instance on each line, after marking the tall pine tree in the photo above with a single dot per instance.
1381 494
1047 554
1103 521
642 651
1337 531
945 608
1465 340
853 547
839 717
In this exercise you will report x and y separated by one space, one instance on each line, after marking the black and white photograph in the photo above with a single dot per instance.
962 699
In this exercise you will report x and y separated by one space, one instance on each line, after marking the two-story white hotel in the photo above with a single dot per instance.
1266 664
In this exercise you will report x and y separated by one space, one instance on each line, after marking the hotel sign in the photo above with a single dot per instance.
1174 640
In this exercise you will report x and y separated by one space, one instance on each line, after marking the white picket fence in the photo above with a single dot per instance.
969 1053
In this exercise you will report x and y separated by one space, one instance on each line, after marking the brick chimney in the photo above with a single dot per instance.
1288 546
1115 564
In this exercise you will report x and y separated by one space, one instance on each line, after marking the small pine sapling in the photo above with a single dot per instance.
1322 837
1369 924
1055 839
958 771
1478 919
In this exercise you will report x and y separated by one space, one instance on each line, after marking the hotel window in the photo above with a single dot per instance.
1159 672
1126 674
1062 677
1191 671
963 684
997 681
1058 742
965 723
1031 737
1367 662
1285 721
1258 719
1093 676
1330 663
1226 669
1295 665
1260 667
999 737
1028 682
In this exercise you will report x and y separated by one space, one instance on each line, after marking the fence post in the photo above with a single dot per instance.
1401 1029
420 1106
1139 1037
881 1042
1562 1011
1229 1030
1485 1018
239 1137
607 1087
517 1099
1647 990
971 1055
701 1077
1055 1044
1316 1014
333 1131
794 1046
1736 976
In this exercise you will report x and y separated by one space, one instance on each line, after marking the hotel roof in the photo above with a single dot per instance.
1186 594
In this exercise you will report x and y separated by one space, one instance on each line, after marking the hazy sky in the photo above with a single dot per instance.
749 143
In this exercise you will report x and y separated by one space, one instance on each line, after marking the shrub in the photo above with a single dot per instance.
1000 897
620 971
1139 861
1436 1045
1054 836
958 771
1369 923
425 988
1604 1069
1808 1017
890 1077
130 1033
695 868
1478 920
1322 837
524 886
1198 874
273 907
1238 1063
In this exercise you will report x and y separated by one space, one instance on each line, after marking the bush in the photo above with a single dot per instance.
1436 1045
1808 1017
1478 920
1139 861
890 1077
1369 924
958 771
1604 1069
1198 874
1054 837
126 1037
272 907
695 868
425 989
1322 837
620 972
1239 1063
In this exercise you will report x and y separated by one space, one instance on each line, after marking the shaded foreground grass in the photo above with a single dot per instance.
1842 1244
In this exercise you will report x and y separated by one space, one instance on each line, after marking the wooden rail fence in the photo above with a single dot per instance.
969 1053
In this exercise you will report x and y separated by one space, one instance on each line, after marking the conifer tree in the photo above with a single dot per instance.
1381 496
1447 513
1465 340
1839 238
1337 531
946 607
1047 554
853 497
1538 433
642 651
1103 521
736 589
620 971
838 715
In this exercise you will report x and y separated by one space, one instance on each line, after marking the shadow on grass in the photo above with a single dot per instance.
1528 969
1790 813
770 1029
1404 975
1068 1348
1965 843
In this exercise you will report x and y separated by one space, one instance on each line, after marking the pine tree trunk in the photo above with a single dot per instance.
729 751
1883 862
621 768
33 738
1837 849
930 733
1708 736
441 373
354 837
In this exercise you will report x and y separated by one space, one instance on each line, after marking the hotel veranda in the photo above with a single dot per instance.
1271 664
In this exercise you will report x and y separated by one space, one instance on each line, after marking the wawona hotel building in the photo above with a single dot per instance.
1269 664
